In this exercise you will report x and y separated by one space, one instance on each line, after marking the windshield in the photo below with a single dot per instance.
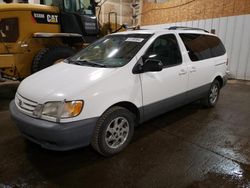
111 51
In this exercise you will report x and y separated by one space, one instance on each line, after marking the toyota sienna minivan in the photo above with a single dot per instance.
100 94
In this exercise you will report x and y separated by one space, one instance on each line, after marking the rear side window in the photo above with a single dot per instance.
166 49
202 47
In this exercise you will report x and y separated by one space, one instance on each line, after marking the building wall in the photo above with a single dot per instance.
185 10
121 7
229 18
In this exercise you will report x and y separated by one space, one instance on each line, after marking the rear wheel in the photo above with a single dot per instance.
213 95
50 56
114 131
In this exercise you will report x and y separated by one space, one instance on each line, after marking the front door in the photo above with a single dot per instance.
164 90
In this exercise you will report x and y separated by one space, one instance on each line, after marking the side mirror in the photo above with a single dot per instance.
152 65
149 65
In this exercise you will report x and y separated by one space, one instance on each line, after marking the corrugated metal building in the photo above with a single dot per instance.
233 30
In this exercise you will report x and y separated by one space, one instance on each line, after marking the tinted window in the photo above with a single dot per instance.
202 47
216 46
166 49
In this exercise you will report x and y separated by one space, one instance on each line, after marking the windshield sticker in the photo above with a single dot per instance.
134 39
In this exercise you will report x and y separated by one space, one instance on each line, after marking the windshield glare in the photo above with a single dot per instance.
112 50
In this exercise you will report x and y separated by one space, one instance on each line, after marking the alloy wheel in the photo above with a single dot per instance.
117 132
214 93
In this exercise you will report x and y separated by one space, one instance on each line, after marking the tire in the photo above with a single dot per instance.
48 56
213 95
114 131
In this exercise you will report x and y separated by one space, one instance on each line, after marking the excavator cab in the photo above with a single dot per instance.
36 36
77 16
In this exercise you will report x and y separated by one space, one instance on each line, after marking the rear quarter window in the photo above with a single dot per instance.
202 46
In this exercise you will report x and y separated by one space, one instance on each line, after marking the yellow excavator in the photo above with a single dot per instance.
35 36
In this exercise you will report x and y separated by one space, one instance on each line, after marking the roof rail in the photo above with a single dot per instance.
186 28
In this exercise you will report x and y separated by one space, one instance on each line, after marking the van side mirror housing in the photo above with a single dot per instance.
149 65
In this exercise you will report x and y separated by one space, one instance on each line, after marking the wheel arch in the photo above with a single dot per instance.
129 106
220 80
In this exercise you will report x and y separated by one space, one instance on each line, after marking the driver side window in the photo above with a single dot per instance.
166 49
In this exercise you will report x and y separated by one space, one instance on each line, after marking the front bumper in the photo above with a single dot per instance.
51 135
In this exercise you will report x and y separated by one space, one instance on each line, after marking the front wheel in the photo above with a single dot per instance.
213 95
114 130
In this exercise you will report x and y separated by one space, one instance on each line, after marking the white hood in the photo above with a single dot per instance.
61 81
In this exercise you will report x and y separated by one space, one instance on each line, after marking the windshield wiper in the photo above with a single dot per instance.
87 62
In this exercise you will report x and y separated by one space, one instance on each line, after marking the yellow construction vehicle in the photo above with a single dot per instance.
33 37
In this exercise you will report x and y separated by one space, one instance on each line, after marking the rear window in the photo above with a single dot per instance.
202 47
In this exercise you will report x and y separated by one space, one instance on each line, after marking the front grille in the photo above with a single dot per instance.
25 105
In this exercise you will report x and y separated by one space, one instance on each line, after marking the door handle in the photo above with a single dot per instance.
193 69
182 72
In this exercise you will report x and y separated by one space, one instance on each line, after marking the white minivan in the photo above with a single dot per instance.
100 94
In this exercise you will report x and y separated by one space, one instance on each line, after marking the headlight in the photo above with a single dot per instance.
64 109
52 109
